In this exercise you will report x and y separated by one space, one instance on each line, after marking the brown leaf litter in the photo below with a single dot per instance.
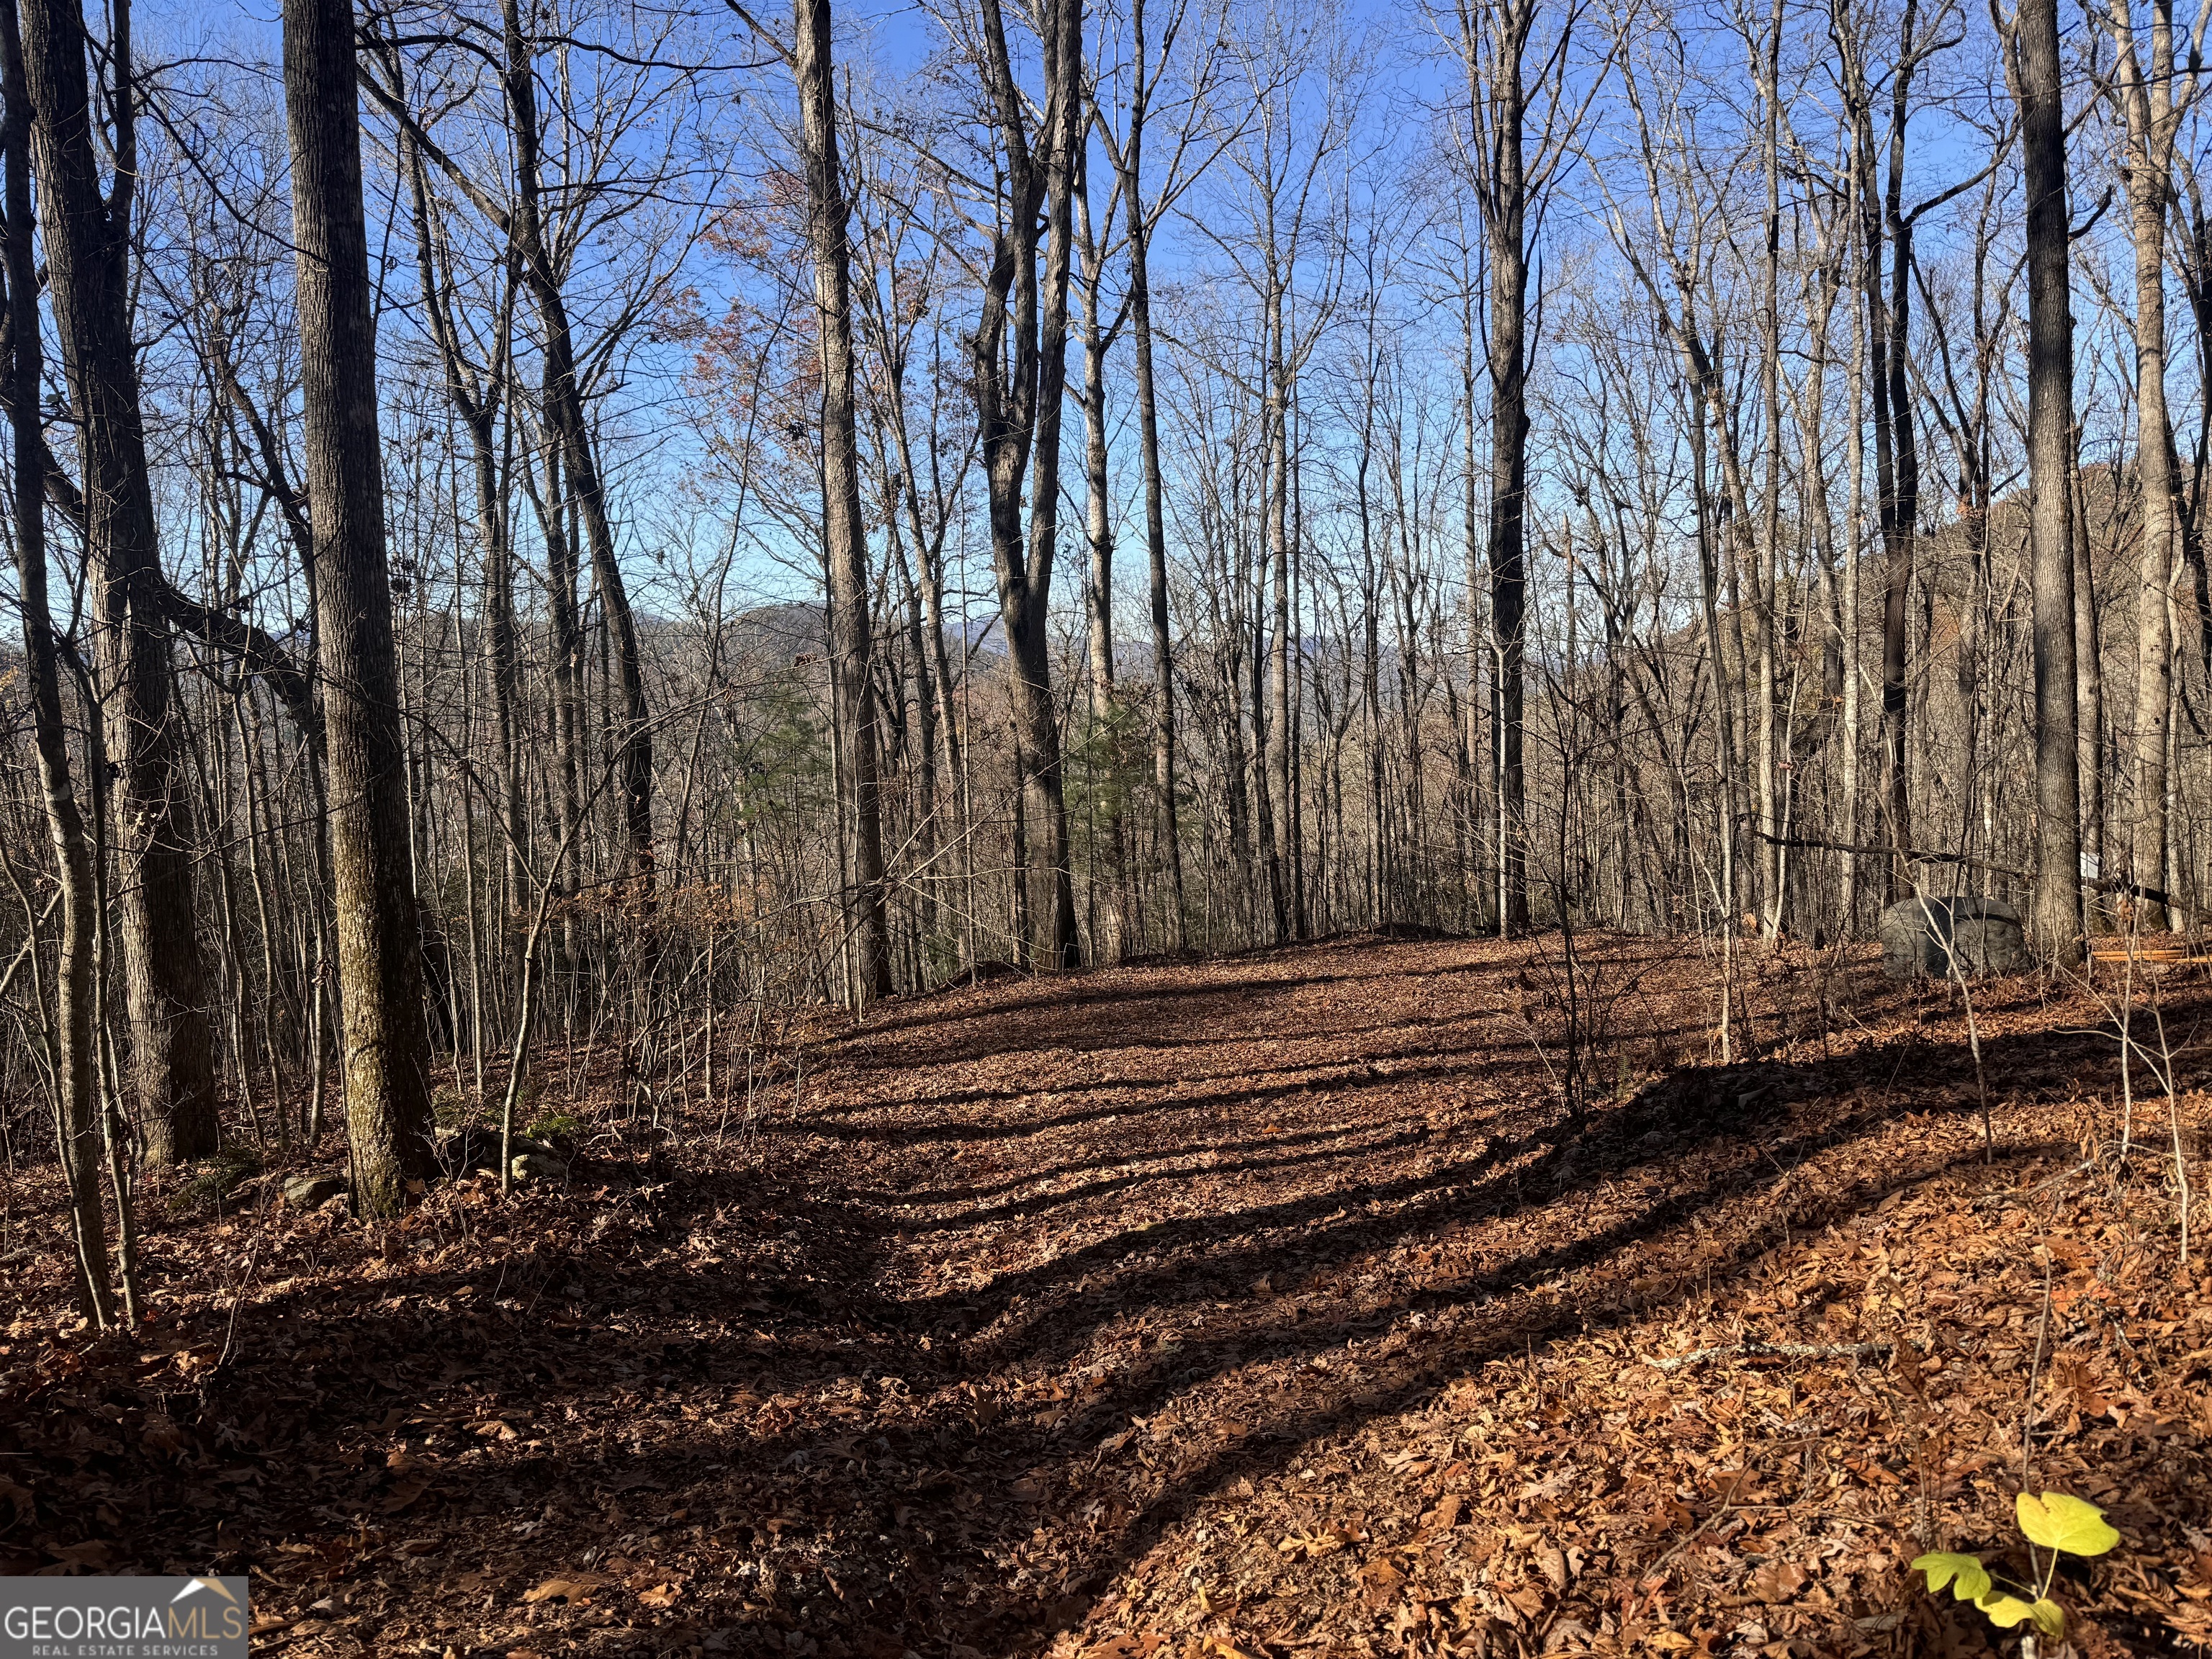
1265 1306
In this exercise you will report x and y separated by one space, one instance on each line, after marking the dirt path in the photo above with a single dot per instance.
1267 1304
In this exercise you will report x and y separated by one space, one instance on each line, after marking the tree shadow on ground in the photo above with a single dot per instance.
895 1429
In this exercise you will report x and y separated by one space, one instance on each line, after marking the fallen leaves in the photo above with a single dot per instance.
1381 1582
1033 1329
1777 1582
574 1587
404 1495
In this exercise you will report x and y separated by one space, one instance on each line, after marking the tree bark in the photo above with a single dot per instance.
845 530
1017 407
75 993
1111 930
1504 203
2056 916
2148 106
476 400
380 943
1770 864
1283 806
2088 671
87 244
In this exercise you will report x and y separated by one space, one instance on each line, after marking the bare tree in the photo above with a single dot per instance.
87 239
844 529
2152 107
379 944
75 997
1019 356
1494 44
2032 66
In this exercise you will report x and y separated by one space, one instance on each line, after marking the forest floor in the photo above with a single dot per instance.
1253 1306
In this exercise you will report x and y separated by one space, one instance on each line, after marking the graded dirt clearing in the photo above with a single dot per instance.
1252 1307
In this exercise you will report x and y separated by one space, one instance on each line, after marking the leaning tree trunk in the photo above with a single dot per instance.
86 245
632 734
380 946
2056 916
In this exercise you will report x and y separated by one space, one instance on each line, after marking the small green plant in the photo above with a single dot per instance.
558 1130
2060 1524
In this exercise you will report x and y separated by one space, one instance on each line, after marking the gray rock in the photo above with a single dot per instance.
476 1147
538 1166
312 1191
1921 936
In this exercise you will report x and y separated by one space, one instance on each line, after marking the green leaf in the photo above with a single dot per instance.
2049 1619
1964 1573
2005 1610
2059 1523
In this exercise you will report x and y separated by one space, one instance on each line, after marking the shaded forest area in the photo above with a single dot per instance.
1261 1306
1058 829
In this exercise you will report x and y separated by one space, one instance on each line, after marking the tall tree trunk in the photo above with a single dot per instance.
1105 743
1283 809
928 831
845 531
1879 217
2035 73
476 401
566 622
2148 106
1505 210
1477 643
1763 594
78 1126
1043 781
2088 669
1017 410
379 940
87 242
1156 556
1860 287
1129 161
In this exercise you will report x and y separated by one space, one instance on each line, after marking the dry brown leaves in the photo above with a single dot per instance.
1250 1308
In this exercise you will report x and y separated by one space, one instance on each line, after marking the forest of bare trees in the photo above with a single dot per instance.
550 523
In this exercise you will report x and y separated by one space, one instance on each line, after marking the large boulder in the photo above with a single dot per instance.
538 1166
312 1191
1923 935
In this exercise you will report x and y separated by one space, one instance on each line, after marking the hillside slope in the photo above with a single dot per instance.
1247 1307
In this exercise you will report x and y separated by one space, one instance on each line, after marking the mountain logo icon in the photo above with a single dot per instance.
193 1586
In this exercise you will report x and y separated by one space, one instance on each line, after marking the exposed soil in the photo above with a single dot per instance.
1250 1307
